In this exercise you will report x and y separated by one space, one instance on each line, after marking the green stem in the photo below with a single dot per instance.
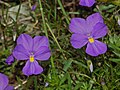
43 18
63 10
53 36
56 40
18 12
52 62
35 82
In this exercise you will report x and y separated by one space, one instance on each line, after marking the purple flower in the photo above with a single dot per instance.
87 32
10 60
32 49
33 7
88 3
4 83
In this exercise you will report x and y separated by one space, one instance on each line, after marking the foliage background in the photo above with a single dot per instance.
68 68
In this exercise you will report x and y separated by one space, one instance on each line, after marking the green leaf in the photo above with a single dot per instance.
114 60
64 78
116 53
69 81
77 86
67 65
116 2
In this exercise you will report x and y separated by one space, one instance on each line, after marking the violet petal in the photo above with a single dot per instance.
20 53
39 41
3 81
33 7
88 3
78 25
10 60
96 48
43 53
32 68
100 30
26 41
9 88
93 19
78 40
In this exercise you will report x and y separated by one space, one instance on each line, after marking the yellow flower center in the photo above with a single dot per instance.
32 58
91 40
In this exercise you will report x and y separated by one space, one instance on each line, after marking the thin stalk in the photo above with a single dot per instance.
35 82
3 31
63 10
43 18
55 14
53 36
56 40
18 12
52 62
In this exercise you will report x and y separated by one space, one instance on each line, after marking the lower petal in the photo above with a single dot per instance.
78 40
32 68
9 88
96 48
3 81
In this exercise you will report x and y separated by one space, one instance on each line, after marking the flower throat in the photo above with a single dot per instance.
91 40
32 58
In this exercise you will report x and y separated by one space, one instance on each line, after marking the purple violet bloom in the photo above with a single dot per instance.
88 3
10 60
87 32
32 49
33 7
4 83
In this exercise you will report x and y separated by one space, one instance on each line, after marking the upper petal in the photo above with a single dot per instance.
93 19
43 53
3 81
20 53
39 41
88 3
96 48
10 60
32 68
26 41
78 40
79 25
99 30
